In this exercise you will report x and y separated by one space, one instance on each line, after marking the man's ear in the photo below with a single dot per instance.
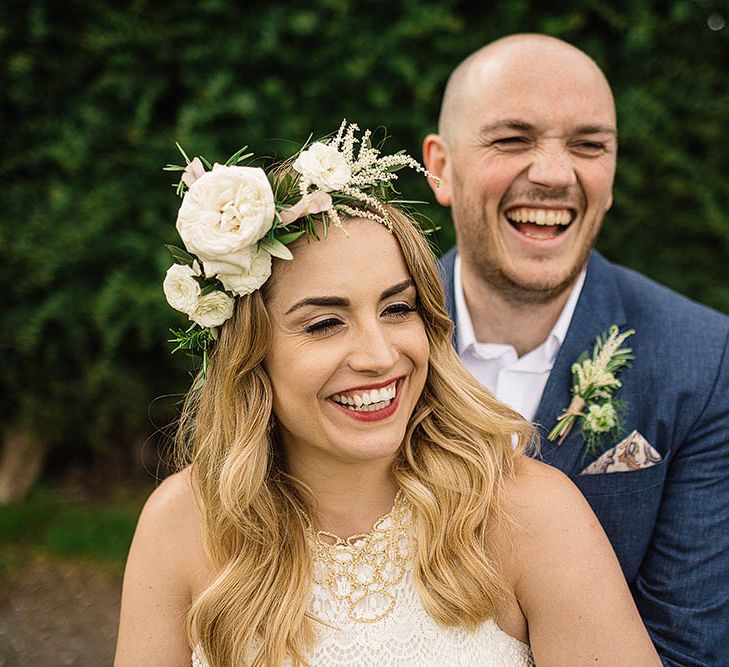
437 162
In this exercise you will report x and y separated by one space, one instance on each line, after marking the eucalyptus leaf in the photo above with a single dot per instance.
276 248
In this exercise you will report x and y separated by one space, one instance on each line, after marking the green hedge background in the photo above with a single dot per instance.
94 94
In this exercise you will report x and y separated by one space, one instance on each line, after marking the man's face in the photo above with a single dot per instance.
529 171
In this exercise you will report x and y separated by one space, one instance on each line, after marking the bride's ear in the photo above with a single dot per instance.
436 157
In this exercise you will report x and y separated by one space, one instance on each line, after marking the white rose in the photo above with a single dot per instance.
242 272
324 166
226 209
181 288
212 309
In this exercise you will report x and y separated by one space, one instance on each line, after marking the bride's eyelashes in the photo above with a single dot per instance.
323 326
400 310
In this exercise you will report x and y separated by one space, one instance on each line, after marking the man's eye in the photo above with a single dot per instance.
590 146
399 310
511 142
323 326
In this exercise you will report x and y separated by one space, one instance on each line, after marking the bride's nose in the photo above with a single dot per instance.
373 350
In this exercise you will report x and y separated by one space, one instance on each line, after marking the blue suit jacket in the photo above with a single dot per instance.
668 524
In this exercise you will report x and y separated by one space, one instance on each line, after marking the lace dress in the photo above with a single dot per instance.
372 614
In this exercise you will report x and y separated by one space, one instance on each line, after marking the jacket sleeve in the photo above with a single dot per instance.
682 589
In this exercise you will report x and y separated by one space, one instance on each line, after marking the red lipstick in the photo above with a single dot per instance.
374 415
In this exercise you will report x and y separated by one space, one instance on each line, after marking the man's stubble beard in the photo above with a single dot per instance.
476 254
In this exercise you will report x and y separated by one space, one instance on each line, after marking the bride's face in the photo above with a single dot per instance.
349 352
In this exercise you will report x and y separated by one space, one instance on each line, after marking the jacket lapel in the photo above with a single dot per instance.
598 307
446 267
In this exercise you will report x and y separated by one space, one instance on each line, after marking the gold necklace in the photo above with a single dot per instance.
363 569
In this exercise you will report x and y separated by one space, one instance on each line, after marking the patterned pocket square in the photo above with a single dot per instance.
633 453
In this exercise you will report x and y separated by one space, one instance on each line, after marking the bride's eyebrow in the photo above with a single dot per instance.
319 301
341 302
396 289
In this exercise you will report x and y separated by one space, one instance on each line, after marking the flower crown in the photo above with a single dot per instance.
233 219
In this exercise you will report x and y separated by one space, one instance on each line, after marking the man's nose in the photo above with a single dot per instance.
552 168
373 350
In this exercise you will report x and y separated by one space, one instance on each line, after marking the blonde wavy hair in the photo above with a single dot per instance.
457 452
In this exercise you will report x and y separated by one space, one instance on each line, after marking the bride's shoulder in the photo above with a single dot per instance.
171 508
564 574
174 492
546 512
165 570
537 488
169 530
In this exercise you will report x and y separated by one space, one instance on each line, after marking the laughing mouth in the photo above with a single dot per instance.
367 400
540 223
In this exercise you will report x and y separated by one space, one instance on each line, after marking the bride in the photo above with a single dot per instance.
349 495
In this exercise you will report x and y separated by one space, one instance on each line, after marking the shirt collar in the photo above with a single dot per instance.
466 338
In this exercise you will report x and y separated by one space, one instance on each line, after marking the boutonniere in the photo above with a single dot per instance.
594 379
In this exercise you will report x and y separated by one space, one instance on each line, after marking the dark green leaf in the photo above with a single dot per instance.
286 239
179 255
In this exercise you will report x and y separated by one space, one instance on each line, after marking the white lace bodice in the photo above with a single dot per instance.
407 637
375 571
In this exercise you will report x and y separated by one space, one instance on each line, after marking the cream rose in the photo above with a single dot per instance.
323 166
181 288
242 272
212 309
225 210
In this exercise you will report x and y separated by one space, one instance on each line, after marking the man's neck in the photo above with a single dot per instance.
498 319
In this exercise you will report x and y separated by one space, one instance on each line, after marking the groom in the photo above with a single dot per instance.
526 152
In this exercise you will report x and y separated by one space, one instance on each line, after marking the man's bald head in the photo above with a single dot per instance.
526 159
516 53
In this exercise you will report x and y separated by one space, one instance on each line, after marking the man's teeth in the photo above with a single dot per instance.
367 401
540 216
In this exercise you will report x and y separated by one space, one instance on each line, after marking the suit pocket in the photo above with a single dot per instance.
632 453
623 482
626 505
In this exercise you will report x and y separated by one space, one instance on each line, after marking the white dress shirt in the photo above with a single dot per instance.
517 381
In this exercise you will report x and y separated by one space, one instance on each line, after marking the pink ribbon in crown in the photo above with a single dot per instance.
309 204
